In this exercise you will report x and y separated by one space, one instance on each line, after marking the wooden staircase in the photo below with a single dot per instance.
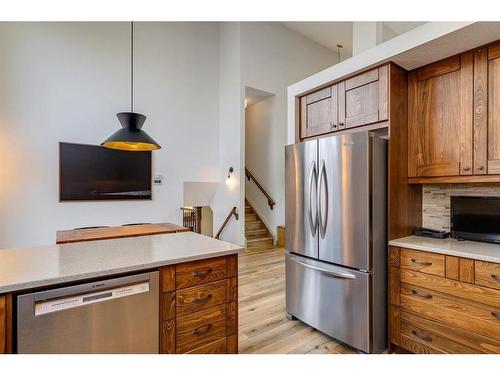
256 233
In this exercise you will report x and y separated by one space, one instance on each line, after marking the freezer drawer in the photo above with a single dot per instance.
117 315
332 299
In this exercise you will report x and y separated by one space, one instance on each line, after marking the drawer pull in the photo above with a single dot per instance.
496 277
423 295
421 336
201 330
495 314
204 298
202 273
420 263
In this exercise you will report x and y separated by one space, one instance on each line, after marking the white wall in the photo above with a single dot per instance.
66 81
231 136
272 58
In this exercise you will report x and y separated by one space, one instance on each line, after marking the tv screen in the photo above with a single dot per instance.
475 218
88 172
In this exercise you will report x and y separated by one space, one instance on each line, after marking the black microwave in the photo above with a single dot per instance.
475 218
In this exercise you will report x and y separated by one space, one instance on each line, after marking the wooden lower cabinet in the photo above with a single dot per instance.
199 307
446 311
3 324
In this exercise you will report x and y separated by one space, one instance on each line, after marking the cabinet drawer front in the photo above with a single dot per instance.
474 342
422 261
200 328
487 274
200 272
482 319
216 347
459 289
426 341
201 297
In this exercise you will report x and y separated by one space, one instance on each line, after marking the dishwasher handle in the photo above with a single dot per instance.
92 287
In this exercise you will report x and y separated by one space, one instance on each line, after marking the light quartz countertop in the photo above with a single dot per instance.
34 267
488 252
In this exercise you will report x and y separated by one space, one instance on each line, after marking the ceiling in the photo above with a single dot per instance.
329 34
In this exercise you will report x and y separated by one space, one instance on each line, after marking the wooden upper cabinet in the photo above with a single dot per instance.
357 101
363 98
440 118
492 61
319 112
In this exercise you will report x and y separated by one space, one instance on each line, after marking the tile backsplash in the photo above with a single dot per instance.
436 202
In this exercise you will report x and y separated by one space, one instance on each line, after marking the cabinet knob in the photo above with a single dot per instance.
333 126
465 168
341 124
480 168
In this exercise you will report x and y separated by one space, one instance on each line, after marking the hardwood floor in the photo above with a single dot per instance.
263 327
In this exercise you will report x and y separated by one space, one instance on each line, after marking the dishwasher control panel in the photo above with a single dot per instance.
64 303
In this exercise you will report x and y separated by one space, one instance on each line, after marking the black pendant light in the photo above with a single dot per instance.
131 137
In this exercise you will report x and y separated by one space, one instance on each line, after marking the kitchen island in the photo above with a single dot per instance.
197 287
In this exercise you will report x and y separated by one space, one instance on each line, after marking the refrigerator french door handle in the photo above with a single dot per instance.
322 175
313 176
341 275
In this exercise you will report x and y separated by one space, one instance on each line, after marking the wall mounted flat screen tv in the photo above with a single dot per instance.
88 172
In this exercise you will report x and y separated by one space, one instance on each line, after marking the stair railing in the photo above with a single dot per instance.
250 176
229 216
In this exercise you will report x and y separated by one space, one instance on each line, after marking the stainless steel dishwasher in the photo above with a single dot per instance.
117 315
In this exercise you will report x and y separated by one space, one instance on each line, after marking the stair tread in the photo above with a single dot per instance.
253 231
259 239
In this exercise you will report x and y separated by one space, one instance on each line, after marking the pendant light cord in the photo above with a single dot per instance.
132 66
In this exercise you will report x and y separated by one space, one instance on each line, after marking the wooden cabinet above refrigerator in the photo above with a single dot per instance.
356 101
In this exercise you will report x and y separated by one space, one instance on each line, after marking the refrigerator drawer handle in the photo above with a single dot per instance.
313 176
341 275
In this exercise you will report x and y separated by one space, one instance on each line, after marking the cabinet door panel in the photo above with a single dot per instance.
319 112
363 99
440 119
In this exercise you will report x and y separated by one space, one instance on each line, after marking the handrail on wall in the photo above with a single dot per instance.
250 176
223 226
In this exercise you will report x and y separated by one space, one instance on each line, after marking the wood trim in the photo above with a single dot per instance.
467 103
167 341
232 318
467 270
167 278
231 289
455 179
404 200
394 326
394 286
494 51
232 344
9 324
480 111
452 267
3 324
232 265
303 117
451 64
319 95
167 306
394 256
383 93
413 147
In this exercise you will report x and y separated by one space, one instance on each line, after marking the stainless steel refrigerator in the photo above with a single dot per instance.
336 194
